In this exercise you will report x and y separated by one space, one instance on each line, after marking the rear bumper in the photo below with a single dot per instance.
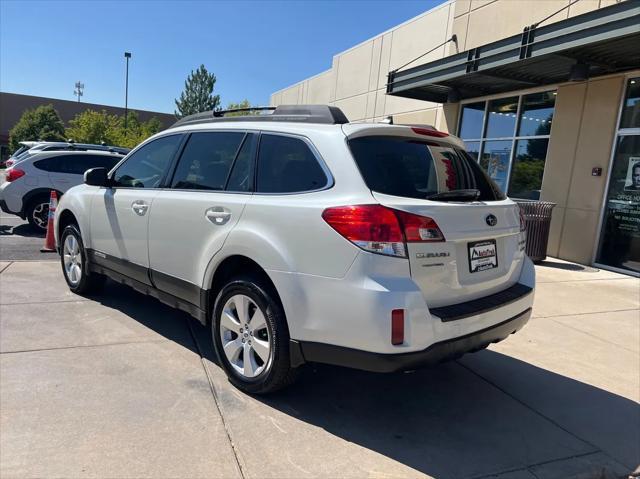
5 208
436 353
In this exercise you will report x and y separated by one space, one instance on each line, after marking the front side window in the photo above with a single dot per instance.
147 166
206 160
411 168
287 165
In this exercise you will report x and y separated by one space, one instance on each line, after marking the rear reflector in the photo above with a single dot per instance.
13 174
382 230
430 132
397 326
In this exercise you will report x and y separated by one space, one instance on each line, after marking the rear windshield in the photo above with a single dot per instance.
417 169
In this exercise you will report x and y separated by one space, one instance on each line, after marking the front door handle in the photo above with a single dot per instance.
218 215
139 207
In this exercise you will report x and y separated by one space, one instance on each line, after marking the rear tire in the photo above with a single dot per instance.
252 346
37 213
75 267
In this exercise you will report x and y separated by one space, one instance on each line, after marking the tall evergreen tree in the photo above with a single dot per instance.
198 93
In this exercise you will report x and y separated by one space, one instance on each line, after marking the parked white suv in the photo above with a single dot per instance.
28 183
299 237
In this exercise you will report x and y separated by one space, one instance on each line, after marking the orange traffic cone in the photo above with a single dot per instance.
50 240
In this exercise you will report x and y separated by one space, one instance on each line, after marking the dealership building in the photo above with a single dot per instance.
545 95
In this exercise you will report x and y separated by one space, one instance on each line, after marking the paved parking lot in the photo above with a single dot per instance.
119 385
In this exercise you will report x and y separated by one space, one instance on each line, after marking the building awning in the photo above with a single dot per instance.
600 42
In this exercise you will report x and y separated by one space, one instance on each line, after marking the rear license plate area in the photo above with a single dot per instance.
483 255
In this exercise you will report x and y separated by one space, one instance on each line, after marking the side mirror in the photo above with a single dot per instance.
96 177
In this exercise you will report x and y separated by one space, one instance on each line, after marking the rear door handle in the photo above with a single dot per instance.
218 215
139 207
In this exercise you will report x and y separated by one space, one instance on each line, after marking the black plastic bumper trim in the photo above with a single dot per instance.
482 305
436 353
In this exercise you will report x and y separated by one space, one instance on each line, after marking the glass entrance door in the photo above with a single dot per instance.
620 234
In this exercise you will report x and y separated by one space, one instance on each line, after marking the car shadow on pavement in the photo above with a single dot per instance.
481 414
24 230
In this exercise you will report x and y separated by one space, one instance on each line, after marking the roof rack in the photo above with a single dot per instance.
321 114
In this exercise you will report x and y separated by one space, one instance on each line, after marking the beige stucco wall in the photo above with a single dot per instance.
582 137
585 117
356 81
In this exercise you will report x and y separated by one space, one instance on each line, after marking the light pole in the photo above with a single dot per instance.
127 55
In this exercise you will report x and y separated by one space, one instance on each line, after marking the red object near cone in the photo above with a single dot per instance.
50 240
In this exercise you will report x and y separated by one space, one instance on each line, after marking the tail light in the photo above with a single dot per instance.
9 163
523 225
13 174
382 230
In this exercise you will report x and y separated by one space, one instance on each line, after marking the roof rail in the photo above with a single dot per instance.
322 114
220 113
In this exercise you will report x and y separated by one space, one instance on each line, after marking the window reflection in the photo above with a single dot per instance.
495 160
528 168
471 119
501 122
473 148
536 114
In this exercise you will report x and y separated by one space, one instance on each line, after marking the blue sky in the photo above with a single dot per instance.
253 47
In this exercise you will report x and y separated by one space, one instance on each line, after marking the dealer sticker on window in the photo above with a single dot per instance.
482 256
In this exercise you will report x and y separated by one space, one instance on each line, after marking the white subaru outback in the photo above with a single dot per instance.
300 237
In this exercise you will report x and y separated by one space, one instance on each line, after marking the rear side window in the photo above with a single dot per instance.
147 166
417 169
76 164
207 160
287 165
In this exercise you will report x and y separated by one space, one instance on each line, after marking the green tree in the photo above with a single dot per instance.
94 127
234 106
41 123
198 94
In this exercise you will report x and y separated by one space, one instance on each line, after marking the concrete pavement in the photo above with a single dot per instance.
120 385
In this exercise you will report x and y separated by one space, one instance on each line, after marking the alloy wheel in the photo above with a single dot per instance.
72 259
246 339
40 215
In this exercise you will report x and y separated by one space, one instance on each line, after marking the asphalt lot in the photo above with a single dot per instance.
119 385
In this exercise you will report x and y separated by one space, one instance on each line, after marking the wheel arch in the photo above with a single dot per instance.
236 265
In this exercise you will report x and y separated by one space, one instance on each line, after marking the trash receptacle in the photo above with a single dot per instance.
537 220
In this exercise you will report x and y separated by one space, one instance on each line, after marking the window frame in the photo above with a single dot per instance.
314 151
515 138
170 167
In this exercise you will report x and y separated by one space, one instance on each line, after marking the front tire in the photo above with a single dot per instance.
251 337
75 267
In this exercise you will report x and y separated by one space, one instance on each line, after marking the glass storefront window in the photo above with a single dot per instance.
512 145
471 119
495 160
528 168
631 108
501 121
620 230
620 239
536 114
473 148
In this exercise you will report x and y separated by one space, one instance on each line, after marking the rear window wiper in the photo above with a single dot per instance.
456 195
